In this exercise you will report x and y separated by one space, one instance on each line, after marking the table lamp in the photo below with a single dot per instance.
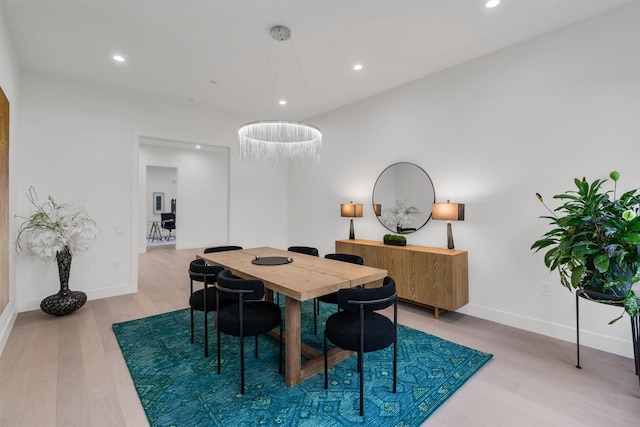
351 210
448 212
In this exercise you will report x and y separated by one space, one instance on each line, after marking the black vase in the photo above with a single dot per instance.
65 301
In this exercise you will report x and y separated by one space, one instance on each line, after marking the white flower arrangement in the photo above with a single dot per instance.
55 227
399 216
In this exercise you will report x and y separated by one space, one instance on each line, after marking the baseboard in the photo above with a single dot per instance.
7 320
555 330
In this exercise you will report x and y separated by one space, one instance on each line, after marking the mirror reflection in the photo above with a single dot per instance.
402 197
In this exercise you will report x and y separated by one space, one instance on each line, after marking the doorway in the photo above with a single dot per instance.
196 176
161 201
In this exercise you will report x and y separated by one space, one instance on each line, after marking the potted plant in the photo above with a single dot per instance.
394 239
594 242
60 231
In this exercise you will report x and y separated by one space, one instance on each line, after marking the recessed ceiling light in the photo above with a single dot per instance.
198 147
493 3
357 67
118 58
282 102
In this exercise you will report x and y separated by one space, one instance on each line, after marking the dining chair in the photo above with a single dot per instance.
247 315
307 250
332 298
221 249
204 299
358 327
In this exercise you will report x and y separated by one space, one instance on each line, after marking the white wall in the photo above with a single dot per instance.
79 142
202 214
491 133
160 179
9 82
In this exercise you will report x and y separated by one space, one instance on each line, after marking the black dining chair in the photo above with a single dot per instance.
308 250
357 327
204 299
246 316
221 249
332 298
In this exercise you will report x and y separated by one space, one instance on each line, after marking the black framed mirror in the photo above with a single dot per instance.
402 197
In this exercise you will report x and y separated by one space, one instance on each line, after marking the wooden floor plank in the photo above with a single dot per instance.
71 392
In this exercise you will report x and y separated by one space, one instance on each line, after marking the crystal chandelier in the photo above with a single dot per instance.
280 141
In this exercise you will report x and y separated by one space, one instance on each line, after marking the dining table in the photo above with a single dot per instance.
300 278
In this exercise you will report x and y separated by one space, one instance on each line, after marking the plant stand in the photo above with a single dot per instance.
635 330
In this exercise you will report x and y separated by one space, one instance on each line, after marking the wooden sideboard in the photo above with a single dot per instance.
432 277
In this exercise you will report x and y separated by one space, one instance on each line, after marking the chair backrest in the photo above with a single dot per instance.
249 289
168 216
353 259
371 299
221 249
304 250
168 221
199 271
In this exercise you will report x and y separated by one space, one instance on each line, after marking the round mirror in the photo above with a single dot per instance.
402 197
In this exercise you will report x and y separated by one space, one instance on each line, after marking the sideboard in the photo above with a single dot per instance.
431 277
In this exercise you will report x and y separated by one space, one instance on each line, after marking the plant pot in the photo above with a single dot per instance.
596 293
394 242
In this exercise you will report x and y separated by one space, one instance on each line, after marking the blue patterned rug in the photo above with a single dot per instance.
178 386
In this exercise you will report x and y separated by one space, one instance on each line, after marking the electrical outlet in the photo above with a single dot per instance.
116 265
545 289
118 231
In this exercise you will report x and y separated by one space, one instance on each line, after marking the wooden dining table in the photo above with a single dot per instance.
305 277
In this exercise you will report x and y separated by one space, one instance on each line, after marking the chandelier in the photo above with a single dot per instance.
280 141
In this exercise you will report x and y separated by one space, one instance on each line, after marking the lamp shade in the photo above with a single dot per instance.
351 210
377 209
448 211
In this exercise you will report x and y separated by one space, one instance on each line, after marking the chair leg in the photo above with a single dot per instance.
395 362
206 335
316 307
256 347
326 368
192 326
361 383
241 365
218 335
280 357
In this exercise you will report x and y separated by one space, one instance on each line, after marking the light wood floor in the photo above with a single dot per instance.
69 371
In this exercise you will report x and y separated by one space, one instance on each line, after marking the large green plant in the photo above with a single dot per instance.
595 240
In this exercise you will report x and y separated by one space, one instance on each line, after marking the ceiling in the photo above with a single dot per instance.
219 53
